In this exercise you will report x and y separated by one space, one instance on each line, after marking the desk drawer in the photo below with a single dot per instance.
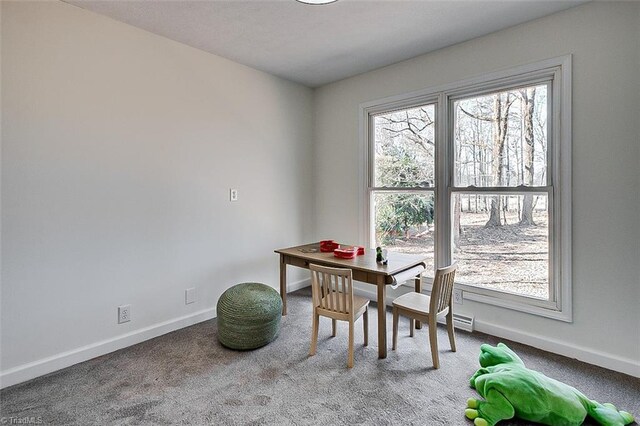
294 261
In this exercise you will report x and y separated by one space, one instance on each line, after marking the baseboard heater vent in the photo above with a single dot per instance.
460 321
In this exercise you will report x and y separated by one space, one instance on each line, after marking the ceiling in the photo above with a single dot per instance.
316 45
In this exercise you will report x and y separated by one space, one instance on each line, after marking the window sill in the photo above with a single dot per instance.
502 300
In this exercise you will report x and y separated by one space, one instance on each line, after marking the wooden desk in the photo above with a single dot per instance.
365 269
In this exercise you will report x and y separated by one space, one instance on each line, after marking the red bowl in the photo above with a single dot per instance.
328 246
348 253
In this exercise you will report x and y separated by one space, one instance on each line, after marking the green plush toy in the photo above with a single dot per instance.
511 389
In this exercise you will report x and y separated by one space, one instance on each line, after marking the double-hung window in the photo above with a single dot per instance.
478 172
402 180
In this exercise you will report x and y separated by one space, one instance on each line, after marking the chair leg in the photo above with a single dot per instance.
433 341
411 324
365 326
314 334
452 337
334 328
350 359
395 329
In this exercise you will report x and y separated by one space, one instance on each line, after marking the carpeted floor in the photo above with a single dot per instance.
186 377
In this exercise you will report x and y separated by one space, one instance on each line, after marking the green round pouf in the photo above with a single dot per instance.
249 316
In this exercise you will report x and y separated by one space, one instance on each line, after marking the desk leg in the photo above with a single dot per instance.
418 290
283 284
382 317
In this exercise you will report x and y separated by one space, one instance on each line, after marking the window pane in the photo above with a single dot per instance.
500 139
404 148
501 242
405 223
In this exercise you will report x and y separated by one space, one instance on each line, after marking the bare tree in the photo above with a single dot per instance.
500 119
528 105
412 126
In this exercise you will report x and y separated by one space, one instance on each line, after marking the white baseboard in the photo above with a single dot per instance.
372 294
291 287
38 368
48 365
53 363
602 359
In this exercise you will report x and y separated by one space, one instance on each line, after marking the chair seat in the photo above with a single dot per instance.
359 303
415 302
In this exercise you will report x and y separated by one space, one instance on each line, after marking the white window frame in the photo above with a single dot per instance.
554 70
370 178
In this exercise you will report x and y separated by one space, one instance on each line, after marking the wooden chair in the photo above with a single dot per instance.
420 307
332 296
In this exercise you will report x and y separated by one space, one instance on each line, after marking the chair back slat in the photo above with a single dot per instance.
332 288
442 289
326 285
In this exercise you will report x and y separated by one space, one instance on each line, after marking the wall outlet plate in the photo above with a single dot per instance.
190 296
457 296
233 194
124 314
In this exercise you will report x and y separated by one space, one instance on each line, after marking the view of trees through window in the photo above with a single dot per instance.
404 154
500 198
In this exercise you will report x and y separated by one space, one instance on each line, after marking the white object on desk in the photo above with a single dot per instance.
407 275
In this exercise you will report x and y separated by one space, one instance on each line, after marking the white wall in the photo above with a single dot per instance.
119 147
118 151
604 40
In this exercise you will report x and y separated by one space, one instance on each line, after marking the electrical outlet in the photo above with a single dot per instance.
457 296
124 314
233 194
189 296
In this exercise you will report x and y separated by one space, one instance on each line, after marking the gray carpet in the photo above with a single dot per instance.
186 377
